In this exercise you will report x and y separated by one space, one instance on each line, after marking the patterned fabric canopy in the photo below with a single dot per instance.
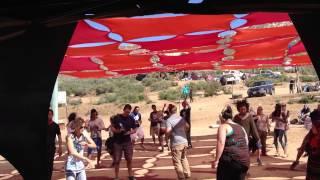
115 47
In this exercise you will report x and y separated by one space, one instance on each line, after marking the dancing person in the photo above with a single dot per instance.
286 114
122 127
72 116
311 145
245 119
76 142
291 86
186 114
53 132
279 130
135 114
190 95
176 130
263 126
154 119
232 158
95 125
162 131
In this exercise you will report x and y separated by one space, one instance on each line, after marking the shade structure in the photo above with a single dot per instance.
114 47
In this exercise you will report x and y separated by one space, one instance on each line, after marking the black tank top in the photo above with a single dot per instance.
236 145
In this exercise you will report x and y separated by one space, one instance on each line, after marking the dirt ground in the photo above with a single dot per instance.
203 114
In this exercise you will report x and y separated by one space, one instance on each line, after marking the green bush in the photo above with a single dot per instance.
276 81
109 98
309 78
171 95
160 85
226 90
308 71
198 86
212 89
307 99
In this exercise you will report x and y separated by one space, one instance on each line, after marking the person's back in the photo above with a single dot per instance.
178 126
236 145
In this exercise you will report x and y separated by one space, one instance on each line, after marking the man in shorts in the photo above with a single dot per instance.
154 121
135 114
122 127
95 125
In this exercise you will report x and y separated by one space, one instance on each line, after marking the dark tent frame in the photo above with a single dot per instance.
33 40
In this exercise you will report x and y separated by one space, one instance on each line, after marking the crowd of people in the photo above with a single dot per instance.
239 136
166 125
246 132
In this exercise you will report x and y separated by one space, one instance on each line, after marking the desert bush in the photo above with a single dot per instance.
309 78
198 86
227 90
108 98
308 70
307 99
212 88
75 102
147 81
161 85
276 81
171 95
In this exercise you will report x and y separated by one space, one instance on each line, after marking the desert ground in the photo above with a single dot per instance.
152 164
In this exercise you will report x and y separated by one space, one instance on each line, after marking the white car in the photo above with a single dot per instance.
270 72
231 79
236 73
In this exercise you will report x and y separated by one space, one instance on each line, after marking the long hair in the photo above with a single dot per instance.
277 110
72 117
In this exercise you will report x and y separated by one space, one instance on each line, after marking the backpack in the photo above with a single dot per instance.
109 145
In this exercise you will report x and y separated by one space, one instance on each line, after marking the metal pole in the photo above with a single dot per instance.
54 103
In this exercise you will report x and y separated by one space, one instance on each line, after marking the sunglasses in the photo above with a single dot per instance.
82 127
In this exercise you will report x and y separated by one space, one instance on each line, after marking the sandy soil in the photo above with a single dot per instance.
204 113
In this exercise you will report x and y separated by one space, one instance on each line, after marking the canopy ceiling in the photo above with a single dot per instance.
114 47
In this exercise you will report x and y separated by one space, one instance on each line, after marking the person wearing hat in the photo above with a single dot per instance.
186 114
311 145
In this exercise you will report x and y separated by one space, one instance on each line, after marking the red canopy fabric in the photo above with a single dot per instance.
114 47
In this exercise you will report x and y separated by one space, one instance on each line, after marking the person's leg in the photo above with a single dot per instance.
188 133
282 142
161 142
263 137
185 163
50 162
81 175
99 149
153 134
128 154
70 175
176 152
117 155
276 135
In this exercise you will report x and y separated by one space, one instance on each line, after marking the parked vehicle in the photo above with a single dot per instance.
236 73
261 88
289 69
229 79
311 87
269 73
